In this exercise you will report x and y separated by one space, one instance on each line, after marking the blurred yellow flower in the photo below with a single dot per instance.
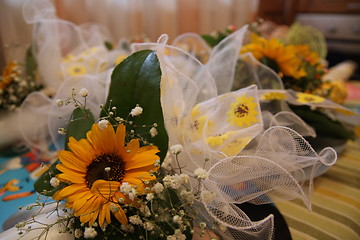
309 98
273 96
276 55
334 91
243 111
76 70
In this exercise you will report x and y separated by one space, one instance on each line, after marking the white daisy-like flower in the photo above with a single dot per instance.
90 232
201 173
136 111
135 219
103 123
176 149
83 92
54 182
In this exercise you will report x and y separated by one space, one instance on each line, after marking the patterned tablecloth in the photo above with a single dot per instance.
335 203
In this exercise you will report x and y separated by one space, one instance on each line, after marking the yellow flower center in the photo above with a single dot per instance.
241 111
98 169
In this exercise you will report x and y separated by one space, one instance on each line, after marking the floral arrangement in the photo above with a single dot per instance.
162 150
297 56
17 81
151 169
110 174
298 64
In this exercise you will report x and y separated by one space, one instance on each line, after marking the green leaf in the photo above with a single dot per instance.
109 46
80 123
30 63
134 81
323 125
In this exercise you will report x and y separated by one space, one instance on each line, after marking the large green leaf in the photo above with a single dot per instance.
323 125
80 123
134 81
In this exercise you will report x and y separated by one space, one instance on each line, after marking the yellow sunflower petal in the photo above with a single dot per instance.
67 170
65 192
120 136
71 178
102 188
102 214
103 140
121 217
68 159
82 150
130 150
87 206
142 158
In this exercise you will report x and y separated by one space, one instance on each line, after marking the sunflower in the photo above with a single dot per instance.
96 168
243 111
276 55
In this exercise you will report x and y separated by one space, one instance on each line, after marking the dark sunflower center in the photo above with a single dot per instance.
108 167
241 111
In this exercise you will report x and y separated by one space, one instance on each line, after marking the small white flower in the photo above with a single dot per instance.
153 132
184 178
207 196
149 226
166 164
62 131
177 219
59 103
136 111
103 123
114 208
158 188
145 210
201 173
127 228
176 149
136 220
83 92
90 232
78 233
202 225
54 182
188 196
150 196
125 188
